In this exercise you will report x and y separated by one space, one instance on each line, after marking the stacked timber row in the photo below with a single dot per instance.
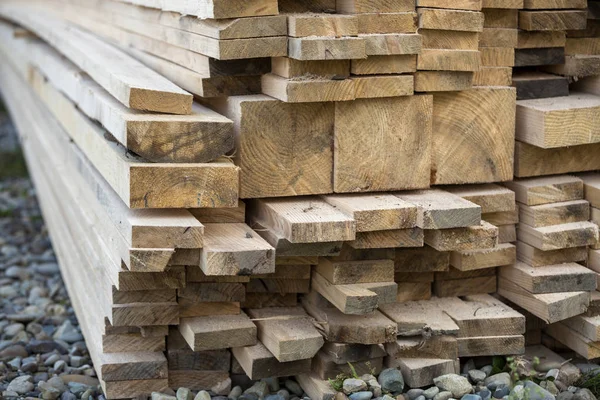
254 188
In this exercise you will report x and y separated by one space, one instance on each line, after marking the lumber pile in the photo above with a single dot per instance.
284 188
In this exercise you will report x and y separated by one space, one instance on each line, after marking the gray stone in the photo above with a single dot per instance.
284 393
58 383
469 365
235 393
222 388
456 384
471 397
377 392
485 394
273 384
13 329
412 394
162 396
372 383
572 389
530 391
16 350
553 373
367 377
68 396
361 396
248 396
431 392
260 389
15 363
420 397
29 367
498 380
293 387
67 333
387 397
565 396
48 391
476 375
501 392
584 394
202 395
550 386
51 360
17 273
352 385
487 369
443 396
391 380
184 394
21 385
274 397
338 396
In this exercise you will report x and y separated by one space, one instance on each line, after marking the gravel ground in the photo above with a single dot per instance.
42 352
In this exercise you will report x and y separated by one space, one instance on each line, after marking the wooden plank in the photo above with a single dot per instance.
587 46
490 197
568 277
370 87
537 258
350 299
537 85
451 20
579 343
498 37
442 210
399 22
315 387
141 184
588 85
443 346
141 132
538 120
465 287
218 332
578 65
391 44
377 6
417 317
397 238
455 129
474 5
287 333
306 220
304 168
591 186
552 4
442 81
290 68
308 90
545 190
555 213
449 40
317 48
588 327
497 56
509 4
420 372
304 25
384 65
216 9
550 307
448 60
423 259
127 80
500 18
554 237
552 20
491 345
502 217
413 291
372 328
493 76
356 151
541 39
258 363
539 56
256 300
350 272
234 249
534 161
482 236
503 254
375 212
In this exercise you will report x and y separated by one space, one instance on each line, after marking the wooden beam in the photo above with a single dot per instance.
503 254
554 237
555 213
218 332
482 236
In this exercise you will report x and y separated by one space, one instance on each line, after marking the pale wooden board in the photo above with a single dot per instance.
441 81
442 210
384 65
304 220
374 6
452 20
304 25
318 48
395 22
391 44
390 239
539 121
534 161
449 60
414 318
545 190
540 39
350 272
420 372
304 168
290 68
500 18
424 259
473 5
218 332
449 40
232 249
537 258
591 185
555 213
458 156
126 79
288 333
481 236
491 345
490 197
503 254
258 363
362 164
465 287
444 346
493 76
574 340
555 237
551 307
217 9
567 277
554 20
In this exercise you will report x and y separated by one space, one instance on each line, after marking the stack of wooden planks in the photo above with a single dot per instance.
243 190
